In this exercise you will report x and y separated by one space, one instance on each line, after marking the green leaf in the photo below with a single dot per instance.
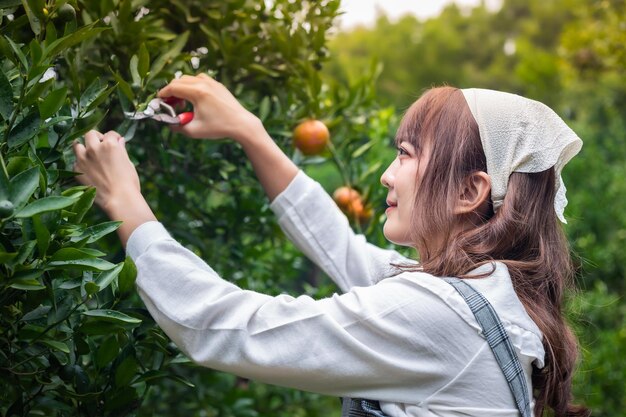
111 316
101 97
35 51
128 276
264 108
69 285
23 185
96 328
51 32
55 120
182 381
25 251
18 164
67 254
161 60
18 52
152 375
134 71
42 234
45 204
85 264
39 312
264 70
33 18
5 188
107 277
90 125
91 93
81 380
362 149
52 103
26 129
107 352
94 95
72 39
6 97
6 257
56 345
27 284
76 191
95 253
96 232
7 4
143 65
126 371
28 274
82 206
124 87
36 90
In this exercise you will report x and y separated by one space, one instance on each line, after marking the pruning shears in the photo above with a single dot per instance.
162 110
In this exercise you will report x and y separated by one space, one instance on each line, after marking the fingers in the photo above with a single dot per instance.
111 137
188 129
79 149
185 86
180 89
94 142
92 139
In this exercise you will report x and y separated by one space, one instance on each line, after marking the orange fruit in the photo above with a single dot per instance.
366 214
344 195
311 137
351 203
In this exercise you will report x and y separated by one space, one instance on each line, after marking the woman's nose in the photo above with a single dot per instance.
388 176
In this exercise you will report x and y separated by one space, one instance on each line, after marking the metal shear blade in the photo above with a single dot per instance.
158 110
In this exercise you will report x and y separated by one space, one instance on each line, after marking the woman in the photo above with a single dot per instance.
475 188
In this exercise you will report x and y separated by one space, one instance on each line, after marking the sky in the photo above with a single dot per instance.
364 11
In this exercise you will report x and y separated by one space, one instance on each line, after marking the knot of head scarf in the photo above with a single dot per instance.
521 135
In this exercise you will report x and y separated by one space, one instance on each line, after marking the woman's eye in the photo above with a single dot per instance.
402 151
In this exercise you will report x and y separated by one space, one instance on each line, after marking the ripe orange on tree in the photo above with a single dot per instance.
351 203
311 137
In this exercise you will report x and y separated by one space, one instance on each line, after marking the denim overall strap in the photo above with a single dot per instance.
359 407
498 341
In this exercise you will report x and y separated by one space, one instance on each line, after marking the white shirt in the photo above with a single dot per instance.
409 340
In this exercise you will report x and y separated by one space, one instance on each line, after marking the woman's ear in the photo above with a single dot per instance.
474 193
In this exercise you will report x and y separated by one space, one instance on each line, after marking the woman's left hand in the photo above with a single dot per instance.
104 163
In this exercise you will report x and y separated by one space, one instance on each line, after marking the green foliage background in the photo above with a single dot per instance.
74 337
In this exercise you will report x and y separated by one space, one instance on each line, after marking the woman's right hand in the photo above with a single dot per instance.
217 113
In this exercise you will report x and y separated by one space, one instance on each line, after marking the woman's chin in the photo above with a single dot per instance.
395 236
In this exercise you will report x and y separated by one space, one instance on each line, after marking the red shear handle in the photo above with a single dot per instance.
185 117
177 102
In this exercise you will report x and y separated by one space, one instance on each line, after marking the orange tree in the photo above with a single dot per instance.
74 337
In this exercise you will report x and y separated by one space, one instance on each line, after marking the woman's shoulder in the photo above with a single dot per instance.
497 288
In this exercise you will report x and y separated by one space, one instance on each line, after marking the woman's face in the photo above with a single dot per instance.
401 179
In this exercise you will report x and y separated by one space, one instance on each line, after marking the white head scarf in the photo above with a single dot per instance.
521 135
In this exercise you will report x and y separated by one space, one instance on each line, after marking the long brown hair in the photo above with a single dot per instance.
524 233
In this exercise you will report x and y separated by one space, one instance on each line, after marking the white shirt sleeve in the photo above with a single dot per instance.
390 341
314 223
